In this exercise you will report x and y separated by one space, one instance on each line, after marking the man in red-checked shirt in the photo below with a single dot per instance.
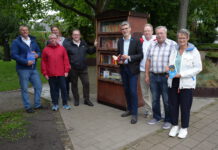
55 67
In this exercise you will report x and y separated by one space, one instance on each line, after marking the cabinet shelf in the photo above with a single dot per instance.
110 81
109 65
110 33
108 49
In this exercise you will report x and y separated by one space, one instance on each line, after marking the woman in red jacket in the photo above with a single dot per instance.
55 67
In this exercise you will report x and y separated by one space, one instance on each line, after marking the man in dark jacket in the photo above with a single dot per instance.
25 52
77 50
130 53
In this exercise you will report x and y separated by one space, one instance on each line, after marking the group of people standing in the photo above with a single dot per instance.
63 62
151 57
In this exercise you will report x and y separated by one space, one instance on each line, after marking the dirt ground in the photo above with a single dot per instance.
43 131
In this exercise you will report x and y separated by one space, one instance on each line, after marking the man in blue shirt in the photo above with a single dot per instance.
25 52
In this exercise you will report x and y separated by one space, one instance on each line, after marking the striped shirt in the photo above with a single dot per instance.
159 55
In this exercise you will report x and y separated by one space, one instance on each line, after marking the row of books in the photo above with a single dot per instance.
110 74
110 27
107 60
108 42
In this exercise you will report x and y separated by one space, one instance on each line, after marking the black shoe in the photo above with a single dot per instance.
134 119
30 110
40 107
88 102
76 103
126 114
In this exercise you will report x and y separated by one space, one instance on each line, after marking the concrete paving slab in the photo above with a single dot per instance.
101 127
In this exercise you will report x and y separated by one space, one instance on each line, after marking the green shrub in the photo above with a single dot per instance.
209 76
212 54
208 46
41 38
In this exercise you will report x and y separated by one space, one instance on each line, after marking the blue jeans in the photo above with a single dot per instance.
159 87
130 88
32 76
56 84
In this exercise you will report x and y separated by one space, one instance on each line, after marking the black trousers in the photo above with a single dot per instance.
67 85
83 75
180 99
56 84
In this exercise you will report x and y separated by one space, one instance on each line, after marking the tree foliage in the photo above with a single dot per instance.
13 13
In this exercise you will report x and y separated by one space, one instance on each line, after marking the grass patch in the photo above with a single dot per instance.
91 56
9 78
12 126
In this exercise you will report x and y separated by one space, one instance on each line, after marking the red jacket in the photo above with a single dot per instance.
55 61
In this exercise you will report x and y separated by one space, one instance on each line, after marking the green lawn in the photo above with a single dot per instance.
8 76
12 125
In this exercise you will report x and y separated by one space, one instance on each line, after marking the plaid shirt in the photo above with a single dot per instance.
159 55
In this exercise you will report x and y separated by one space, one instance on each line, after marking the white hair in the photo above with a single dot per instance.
52 35
161 27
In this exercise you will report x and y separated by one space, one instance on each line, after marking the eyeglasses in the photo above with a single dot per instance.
124 29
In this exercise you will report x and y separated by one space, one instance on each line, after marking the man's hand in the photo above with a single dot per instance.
147 79
30 63
95 43
167 68
46 77
36 55
124 57
66 74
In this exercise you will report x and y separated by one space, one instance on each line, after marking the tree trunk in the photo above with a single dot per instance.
7 55
183 12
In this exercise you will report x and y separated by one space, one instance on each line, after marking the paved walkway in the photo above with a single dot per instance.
101 127
203 134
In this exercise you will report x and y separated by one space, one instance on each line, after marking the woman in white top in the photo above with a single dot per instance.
187 62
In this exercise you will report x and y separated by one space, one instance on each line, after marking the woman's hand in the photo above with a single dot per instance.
178 75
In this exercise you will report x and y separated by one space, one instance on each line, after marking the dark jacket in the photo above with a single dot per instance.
135 53
77 55
19 51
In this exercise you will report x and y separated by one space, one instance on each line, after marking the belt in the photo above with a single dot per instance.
161 74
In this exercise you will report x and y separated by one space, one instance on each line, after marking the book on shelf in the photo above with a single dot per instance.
108 60
110 26
108 42
110 74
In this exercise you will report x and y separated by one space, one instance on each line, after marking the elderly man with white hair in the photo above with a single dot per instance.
157 60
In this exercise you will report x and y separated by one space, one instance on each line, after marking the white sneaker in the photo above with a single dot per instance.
183 132
174 131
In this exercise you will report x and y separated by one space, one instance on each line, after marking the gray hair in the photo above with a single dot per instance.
184 31
149 25
125 23
52 35
23 26
161 27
